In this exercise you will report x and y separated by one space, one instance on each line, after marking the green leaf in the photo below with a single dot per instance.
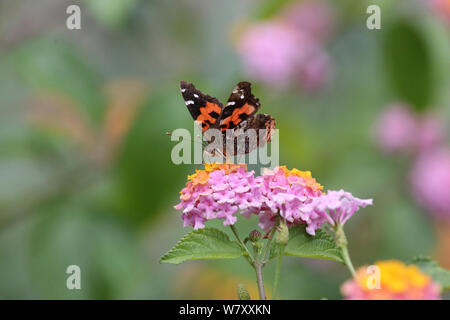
301 244
408 64
434 270
207 243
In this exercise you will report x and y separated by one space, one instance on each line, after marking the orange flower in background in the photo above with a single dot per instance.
396 280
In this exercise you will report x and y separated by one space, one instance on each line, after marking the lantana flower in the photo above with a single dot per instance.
397 281
218 192
283 193
335 207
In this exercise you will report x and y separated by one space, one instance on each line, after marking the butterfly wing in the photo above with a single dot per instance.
242 142
202 107
240 106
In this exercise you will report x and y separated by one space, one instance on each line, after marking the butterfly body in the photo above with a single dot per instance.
232 120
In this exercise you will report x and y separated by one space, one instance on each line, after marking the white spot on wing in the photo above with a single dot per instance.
183 90
188 102
196 95
242 96
231 103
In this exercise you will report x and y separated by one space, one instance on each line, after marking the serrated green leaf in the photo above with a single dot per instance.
434 270
207 243
301 244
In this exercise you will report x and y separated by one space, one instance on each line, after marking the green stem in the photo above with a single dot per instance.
268 243
249 256
341 242
260 281
347 260
277 272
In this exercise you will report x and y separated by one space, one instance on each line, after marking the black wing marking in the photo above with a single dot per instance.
202 107
240 106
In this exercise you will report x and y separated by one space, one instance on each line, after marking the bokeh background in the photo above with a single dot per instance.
85 171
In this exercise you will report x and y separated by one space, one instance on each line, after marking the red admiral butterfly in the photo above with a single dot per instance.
238 115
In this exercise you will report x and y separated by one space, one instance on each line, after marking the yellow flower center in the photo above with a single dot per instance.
202 176
306 175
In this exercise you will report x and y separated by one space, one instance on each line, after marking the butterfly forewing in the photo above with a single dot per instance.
202 107
240 106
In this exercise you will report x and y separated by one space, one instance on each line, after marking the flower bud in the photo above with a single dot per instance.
242 292
282 236
254 236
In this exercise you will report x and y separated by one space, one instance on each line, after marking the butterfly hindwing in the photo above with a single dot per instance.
260 121
240 106
202 107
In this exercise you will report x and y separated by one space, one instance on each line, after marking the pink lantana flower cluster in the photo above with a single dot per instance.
221 190
218 192
283 193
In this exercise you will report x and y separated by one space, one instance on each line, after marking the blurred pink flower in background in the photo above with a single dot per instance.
430 132
430 181
269 51
440 8
316 18
289 49
316 72
395 128
397 281
398 130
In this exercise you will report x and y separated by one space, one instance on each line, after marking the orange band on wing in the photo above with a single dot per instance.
234 117
205 114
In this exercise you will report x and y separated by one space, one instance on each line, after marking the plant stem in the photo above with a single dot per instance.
249 256
260 281
277 272
347 260
267 248
341 242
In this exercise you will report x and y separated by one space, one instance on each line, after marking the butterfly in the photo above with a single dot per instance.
234 120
